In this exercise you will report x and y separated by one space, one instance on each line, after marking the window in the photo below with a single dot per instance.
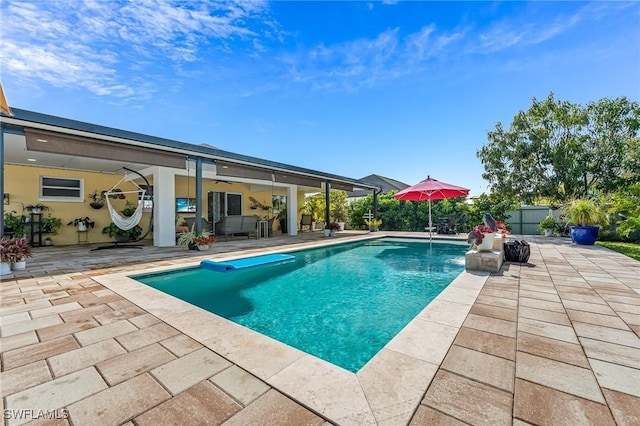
61 189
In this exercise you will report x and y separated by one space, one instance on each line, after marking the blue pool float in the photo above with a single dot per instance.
248 262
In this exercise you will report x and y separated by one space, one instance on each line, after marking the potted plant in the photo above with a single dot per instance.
121 235
97 200
373 224
548 225
14 252
36 208
13 224
584 216
50 225
333 227
204 240
82 223
282 217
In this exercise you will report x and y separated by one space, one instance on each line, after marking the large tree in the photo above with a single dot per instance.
557 150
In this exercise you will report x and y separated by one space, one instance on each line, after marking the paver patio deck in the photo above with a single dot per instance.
554 341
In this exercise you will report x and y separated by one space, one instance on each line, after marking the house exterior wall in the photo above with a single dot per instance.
22 184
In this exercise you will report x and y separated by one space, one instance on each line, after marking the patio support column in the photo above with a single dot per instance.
327 191
164 213
198 194
2 177
292 209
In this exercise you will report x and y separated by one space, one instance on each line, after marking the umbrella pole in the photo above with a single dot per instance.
430 227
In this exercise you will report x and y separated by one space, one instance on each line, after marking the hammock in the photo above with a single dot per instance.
123 222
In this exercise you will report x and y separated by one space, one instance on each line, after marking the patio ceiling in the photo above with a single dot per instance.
74 145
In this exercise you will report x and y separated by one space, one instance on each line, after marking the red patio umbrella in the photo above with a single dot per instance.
431 189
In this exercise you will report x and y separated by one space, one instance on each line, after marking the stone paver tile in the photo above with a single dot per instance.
103 292
588 307
611 352
23 307
547 329
621 299
539 295
553 349
607 334
120 403
21 378
617 377
623 307
119 314
468 400
185 372
123 367
105 332
84 357
66 328
58 393
625 408
481 367
34 324
100 300
493 344
56 309
144 321
630 319
242 386
541 304
491 325
558 375
443 312
494 312
28 354
500 293
393 385
585 298
181 344
89 289
147 336
428 416
497 301
85 313
424 340
543 315
540 405
80 298
19 317
200 404
597 319
18 340
57 420
273 408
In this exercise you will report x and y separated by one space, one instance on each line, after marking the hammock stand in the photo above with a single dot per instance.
126 223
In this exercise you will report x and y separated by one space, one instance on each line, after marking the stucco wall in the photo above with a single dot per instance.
22 185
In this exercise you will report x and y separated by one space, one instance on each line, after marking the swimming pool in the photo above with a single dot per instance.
341 303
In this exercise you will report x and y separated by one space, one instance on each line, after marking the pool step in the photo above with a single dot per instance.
248 262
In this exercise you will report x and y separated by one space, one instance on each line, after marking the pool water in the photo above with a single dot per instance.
341 303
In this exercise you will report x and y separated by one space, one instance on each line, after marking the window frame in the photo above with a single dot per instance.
49 198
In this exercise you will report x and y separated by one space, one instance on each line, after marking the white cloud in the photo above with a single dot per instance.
100 44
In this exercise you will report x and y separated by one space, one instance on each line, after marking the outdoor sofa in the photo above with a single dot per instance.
237 224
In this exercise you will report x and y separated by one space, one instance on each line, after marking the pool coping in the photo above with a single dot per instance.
387 389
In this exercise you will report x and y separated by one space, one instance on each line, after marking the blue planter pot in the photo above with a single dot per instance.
585 235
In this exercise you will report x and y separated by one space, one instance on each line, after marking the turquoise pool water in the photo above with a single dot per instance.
341 303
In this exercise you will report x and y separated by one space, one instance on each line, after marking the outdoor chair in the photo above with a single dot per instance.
206 225
306 221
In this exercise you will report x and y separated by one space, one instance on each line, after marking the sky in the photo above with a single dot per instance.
402 89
